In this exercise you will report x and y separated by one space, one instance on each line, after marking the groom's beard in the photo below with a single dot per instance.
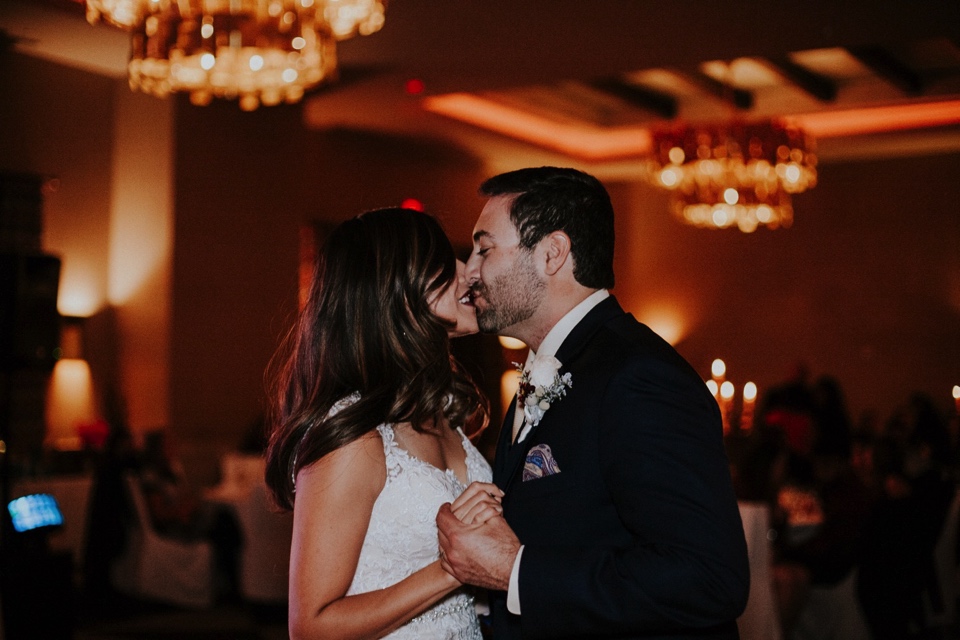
510 298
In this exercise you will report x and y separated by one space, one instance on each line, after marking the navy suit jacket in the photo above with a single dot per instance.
639 534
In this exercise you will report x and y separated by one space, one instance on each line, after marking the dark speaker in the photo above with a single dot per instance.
29 321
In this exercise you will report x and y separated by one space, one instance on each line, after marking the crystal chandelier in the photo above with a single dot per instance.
257 51
733 175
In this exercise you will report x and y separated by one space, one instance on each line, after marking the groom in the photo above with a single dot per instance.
620 519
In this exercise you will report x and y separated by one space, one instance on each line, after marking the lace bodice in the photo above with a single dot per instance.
402 537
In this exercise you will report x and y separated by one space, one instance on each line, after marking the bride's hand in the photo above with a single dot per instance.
478 503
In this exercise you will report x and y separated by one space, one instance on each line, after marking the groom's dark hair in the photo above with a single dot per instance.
548 199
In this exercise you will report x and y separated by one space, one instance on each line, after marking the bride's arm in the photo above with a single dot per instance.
335 497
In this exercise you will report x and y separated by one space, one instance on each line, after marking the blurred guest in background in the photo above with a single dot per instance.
108 512
915 484
819 503
177 511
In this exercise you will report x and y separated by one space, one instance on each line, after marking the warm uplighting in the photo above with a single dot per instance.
258 51
77 297
897 117
511 343
665 320
600 144
733 175
509 383
70 401
587 142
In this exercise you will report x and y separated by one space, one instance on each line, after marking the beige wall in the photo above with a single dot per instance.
141 253
110 219
865 286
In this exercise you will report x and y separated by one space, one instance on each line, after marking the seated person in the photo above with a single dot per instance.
176 511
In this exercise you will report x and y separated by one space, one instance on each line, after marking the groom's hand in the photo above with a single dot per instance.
480 554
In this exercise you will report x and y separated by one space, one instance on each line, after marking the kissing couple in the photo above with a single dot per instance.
609 511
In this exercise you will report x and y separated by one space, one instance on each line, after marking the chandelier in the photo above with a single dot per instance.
733 175
256 51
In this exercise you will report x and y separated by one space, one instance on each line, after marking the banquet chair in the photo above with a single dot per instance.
832 613
940 609
158 568
265 554
760 620
240 471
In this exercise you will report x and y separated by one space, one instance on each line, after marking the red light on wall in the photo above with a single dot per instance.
412 203
414 86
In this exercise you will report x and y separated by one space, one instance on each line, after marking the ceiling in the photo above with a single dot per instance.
547 81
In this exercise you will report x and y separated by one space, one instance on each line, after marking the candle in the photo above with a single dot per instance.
956 398
749 400
718 369
726 404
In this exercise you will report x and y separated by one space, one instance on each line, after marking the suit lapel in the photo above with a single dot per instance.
579 337
504 446
510 456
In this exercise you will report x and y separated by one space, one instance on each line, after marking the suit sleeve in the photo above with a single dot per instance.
664 467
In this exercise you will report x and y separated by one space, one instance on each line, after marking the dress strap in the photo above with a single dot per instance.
391 450
337 407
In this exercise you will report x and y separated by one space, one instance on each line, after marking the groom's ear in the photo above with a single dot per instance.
556 251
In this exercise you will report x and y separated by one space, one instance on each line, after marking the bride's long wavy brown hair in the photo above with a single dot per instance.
367 328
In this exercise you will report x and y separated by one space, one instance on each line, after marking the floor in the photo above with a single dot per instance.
121 618
116 617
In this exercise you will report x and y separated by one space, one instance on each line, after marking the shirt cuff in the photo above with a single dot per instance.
513 592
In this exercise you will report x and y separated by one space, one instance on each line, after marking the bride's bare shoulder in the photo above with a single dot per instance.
359 466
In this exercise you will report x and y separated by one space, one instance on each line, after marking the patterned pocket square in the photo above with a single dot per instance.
539 463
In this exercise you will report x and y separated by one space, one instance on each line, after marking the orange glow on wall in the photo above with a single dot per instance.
70 402
78 294
511 343
665 321
141 220
509 383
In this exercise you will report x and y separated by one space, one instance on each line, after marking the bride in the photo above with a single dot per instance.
369 435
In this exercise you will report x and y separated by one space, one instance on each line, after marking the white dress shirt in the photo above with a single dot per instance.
548 347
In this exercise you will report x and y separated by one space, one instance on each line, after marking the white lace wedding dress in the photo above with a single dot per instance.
402 537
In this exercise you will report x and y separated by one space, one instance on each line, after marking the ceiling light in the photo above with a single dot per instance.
256 51
733 175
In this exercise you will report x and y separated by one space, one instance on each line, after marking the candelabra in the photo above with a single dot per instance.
724 391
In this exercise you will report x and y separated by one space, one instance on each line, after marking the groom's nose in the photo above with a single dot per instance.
472 269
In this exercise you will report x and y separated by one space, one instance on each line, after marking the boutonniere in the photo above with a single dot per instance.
541 387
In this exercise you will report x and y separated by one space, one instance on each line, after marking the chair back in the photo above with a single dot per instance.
760 620
941 611
139 502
